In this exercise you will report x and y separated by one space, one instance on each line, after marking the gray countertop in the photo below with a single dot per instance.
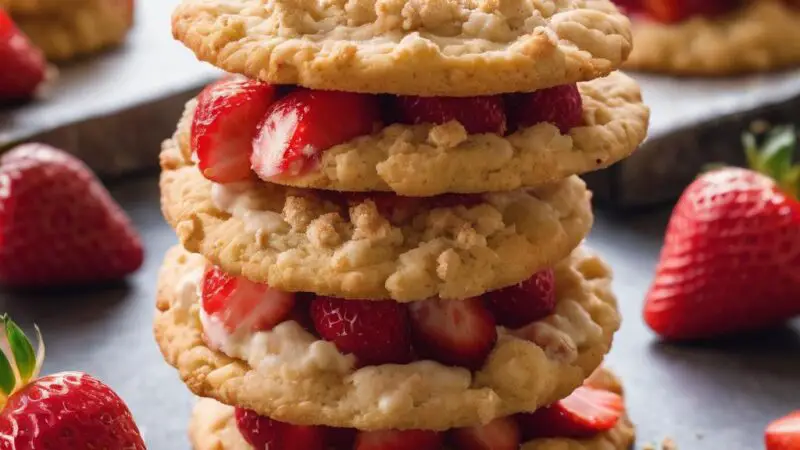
705 397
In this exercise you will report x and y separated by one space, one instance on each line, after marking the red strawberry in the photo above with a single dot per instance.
671 11
65 411
305 123
562 106
629 6
731 251
24 66
499 434
583 414
264 433
224 125
399 440
242 304
341 438
453 332
476 114
784 433
523 303
376 332
58 224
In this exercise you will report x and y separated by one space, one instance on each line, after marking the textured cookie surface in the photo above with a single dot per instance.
424 160
89 27
415 47
39 7
764 35
213 427
291 376
345 246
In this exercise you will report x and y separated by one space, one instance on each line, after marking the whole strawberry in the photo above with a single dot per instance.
65 411
58 224
23 66
732 248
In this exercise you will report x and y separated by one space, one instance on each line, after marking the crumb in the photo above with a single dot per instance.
649 446
669 444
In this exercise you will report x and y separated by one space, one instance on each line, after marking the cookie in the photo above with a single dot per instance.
292 376
39 6
213 427
89 27
425 160
417 47
761 36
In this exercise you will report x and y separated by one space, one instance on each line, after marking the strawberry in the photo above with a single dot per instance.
730 255
499 434
58 224
523 303
561 106
376 332
242 304
264 433
583 414
399 440
629 6
476 114
305 123
453 332
784 433
224 125
64 411
341 438
671 11
24 66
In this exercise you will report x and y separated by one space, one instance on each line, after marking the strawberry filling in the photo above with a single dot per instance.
242 126
674 11
452 332
584 414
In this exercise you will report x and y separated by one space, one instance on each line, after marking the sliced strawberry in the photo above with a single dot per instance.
561 106
224 125
784 433
264 433
399 440
583 414
376 332
243 304
629 6
305 123
23 66
523 303
477 114
499 434
453 332
671 11
340 438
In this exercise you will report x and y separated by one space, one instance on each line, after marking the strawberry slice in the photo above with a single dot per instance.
305 123
671 11
24 67
784 433
453 332
399 440
477 114
560 105
583 414
264 433
224 125
241 304
376 332
523 303
340 438
499 434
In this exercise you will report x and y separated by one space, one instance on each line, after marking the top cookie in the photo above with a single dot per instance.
411 47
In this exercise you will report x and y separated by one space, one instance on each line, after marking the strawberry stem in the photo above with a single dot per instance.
18 362
775 157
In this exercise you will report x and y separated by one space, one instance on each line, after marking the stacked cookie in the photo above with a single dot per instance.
381 224
67 29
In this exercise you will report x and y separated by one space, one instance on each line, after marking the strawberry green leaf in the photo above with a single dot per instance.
8 379
21 348
777 152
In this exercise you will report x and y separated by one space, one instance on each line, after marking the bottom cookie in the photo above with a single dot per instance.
213 427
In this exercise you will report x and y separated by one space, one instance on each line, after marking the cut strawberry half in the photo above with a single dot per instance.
376 332
305 123
476 114
453 332
224 125
23 65
585 413
784 433
399 440
499 434
671 11
561 106
523 303
241 304
264 433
